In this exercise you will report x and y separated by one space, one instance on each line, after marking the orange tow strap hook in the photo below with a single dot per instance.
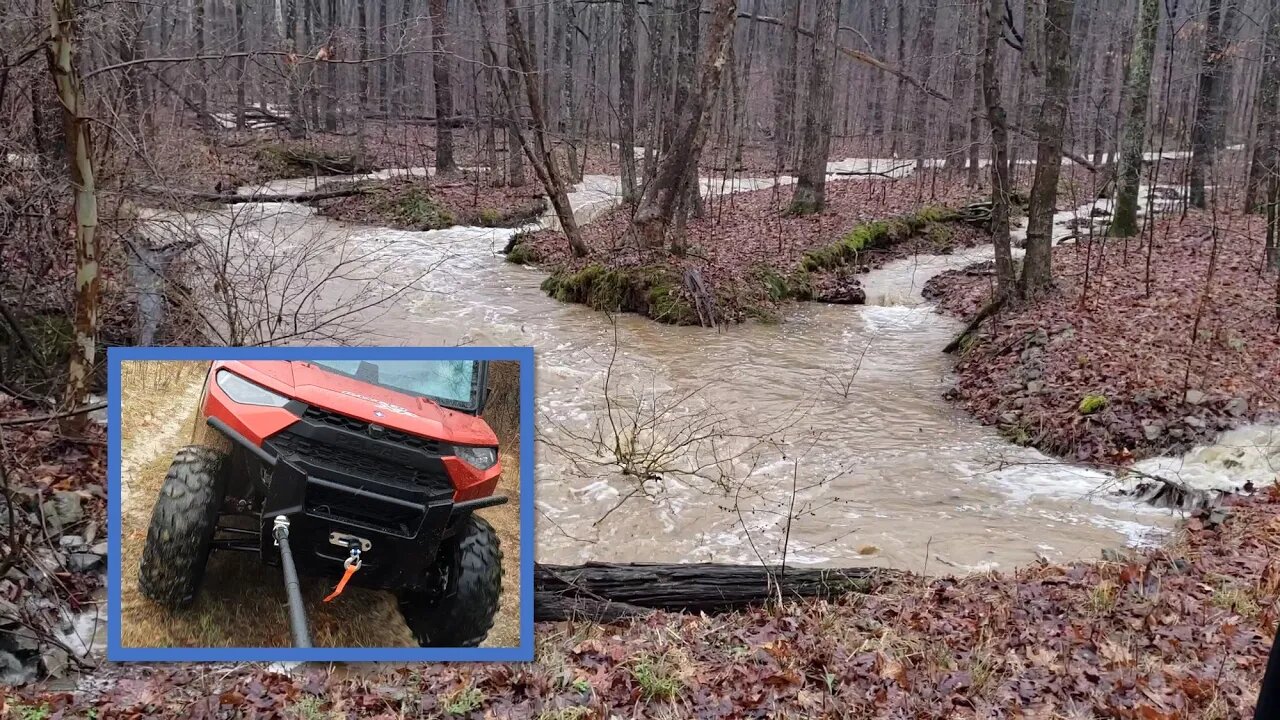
352 564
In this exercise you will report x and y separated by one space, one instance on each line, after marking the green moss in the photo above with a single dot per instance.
880 235
652 291
1092 403
488 217
520 254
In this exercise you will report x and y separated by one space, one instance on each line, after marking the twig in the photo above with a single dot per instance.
53 416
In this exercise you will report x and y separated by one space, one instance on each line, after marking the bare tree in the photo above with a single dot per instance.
1264 154
538 149
1205 130
657 205
626 98
1000 184
1037 272
1124 223
443 86
80 160
810 194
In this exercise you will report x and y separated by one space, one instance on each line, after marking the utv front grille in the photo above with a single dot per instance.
332 419
345 462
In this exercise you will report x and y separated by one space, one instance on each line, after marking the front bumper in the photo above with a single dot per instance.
329 478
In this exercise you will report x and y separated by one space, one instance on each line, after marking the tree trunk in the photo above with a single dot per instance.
810 194
79 151
1000 188
920 118
444 87
974 175
1125 221
515 158
331 70
1205 129
297 115
657 205
540 152
1037 267
609 592
1264 156
627 98
241 47
568 115
784 88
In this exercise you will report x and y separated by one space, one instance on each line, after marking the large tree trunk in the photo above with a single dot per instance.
920 121
1000 188
1125 221
1037 267
1205 129
657 206
811 186
79 151
1264 153
627 98
443 86
610 592
515 158
568 116
784 89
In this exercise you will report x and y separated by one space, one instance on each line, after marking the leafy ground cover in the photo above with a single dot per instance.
750 255
1176 632
1133 353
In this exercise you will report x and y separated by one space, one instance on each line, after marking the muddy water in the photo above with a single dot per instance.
843 404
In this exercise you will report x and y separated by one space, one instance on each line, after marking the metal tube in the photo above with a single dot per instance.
241 440
478 503
292 589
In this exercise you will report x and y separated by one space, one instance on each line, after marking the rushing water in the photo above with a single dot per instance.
826 434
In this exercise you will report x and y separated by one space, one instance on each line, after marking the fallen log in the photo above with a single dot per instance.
234 198
610 592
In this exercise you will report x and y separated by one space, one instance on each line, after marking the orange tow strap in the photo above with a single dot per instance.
352 567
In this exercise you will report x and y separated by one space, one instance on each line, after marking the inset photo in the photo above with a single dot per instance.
329 504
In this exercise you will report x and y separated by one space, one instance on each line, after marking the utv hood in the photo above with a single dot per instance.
315 386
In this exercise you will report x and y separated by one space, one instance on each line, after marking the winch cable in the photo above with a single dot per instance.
292 589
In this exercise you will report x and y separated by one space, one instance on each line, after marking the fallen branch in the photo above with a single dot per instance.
991 309
233 198
610 592
53 416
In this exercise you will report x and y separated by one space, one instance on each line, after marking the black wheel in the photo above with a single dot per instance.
472 565
182 526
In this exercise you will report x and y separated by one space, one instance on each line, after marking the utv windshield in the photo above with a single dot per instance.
452 383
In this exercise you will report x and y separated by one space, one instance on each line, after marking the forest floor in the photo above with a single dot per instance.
1172 633
1113 366
751 254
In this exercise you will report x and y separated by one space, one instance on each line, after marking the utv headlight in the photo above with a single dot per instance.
247 393
481 458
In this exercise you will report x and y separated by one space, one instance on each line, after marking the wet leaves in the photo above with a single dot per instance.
1178 365
1026 644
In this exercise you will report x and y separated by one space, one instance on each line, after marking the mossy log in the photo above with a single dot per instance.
609 592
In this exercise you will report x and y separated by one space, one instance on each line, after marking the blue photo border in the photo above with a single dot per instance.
521 653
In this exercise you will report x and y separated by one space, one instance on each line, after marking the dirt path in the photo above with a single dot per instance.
158 434
242 601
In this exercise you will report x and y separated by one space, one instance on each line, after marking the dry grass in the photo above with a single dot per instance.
242 602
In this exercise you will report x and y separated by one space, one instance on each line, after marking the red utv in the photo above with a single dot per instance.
368 472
